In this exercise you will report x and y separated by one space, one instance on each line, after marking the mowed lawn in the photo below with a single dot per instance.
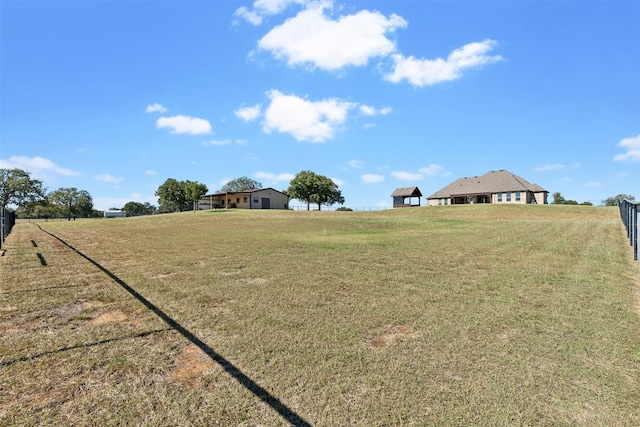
458 315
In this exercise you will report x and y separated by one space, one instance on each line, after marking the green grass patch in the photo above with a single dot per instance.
456 315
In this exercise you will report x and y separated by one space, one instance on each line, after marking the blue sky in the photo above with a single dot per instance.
115 97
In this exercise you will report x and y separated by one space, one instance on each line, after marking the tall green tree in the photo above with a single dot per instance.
71 202
179 196
137 208
613 201
558 199
18 188
171 196
240 184
193 190
310 187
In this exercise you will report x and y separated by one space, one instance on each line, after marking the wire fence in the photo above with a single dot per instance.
630 215
341 208
7 221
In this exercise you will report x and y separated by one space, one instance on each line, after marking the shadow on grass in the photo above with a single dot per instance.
43 262
282 409
24 291
74 347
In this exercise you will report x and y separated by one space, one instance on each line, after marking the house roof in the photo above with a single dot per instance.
243 192
491 182
407 192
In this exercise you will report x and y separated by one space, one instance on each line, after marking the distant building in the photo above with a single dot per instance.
493 187
403 195
263 198
114 213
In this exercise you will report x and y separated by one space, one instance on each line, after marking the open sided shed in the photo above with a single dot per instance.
402 195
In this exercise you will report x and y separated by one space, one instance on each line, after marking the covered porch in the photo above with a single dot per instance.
406 197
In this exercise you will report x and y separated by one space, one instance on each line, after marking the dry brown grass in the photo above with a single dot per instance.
469 315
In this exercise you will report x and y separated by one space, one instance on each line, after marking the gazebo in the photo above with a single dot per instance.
401 195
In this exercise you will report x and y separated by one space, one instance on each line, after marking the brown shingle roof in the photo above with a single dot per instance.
490 182
407 192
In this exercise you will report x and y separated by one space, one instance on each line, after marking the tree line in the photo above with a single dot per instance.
18 188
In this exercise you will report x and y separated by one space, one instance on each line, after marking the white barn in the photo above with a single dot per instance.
114 213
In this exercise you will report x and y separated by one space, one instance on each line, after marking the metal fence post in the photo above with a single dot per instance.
630 215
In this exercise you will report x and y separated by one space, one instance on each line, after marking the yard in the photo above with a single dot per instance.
457 315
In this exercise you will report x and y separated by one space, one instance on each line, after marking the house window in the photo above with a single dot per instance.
244 200
517 196
238 200
508 196
499 197
255 199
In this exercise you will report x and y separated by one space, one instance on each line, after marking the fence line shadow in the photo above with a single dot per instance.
74 347
259 391
47 288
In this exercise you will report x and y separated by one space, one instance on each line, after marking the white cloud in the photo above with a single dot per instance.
184 124
367 110
156 108
37 166
262 8
370 178
406 176
355 164
283 177
217 142
105 177
249 114
150 172
313 39
550 167
337 181
426 72
633 150
315 121
249 15
555 166
434 170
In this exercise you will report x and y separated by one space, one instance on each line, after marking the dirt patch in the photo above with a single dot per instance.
190 365
109 317
162 276
395 335
378 342
257 281
76 308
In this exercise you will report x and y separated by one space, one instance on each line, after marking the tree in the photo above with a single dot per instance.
193 190
17 187
178 196
137 209
613 201
328 194
310 187
71 202
558 199
240 184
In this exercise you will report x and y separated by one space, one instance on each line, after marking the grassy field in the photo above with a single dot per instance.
457 315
